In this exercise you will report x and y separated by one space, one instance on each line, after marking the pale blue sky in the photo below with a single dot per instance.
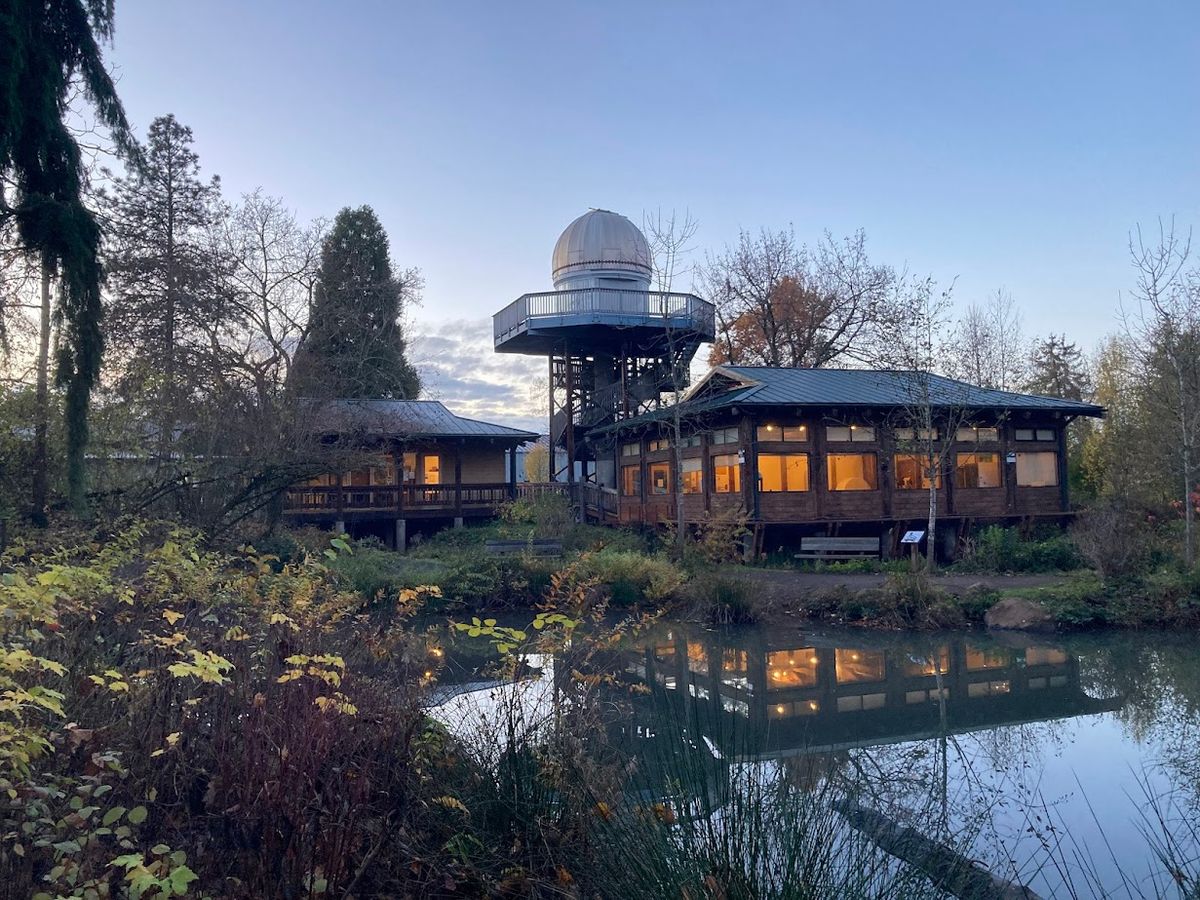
1006 144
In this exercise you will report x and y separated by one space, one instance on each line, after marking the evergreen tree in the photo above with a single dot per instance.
1057 368
167 291
355 345
48 47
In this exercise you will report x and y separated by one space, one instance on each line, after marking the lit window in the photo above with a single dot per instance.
631 481
912 472
779 472
1037 469
792 668
977 470
850 433
725 435
969 434
727 474
852 472
660 478
853 666
630 449
693 476
658 444
773 431
912 435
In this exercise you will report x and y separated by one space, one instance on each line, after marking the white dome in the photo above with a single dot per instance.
601 243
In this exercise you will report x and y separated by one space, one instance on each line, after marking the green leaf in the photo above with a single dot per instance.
128 861
137 815
180 879
160 849
112 815
320 886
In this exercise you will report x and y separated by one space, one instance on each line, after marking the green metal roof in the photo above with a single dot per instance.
763 386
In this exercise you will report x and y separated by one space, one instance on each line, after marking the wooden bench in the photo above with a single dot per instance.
838 548
535 547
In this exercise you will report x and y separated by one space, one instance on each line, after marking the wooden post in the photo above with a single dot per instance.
340 500
457 480
512 472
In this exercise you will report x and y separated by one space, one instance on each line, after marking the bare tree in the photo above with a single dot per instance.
1163 323
670 238
779 304
927 424
988 348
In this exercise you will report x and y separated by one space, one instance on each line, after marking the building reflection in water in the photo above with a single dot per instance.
756 694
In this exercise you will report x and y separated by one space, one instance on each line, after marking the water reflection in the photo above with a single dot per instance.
1043 750
816 693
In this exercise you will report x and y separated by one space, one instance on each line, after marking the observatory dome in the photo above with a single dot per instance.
601 249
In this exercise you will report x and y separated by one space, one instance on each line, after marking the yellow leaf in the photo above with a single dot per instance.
173 738
171 616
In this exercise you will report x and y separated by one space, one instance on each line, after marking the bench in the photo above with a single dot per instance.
838 548
535 547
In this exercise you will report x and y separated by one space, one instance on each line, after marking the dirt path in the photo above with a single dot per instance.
801 582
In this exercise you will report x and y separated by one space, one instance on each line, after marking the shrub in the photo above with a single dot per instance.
632 577
728 602
999 549
1113 540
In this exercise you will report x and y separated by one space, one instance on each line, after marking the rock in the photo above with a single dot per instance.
1016 614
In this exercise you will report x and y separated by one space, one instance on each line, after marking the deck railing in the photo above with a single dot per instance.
685 311
394 498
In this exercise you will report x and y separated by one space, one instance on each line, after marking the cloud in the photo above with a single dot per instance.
459 367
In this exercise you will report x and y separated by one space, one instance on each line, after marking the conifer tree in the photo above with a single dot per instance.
355 346
1057 368
48 48
166 278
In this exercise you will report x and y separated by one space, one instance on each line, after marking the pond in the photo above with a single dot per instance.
1069 765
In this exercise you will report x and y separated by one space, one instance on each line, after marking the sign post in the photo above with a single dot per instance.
913 539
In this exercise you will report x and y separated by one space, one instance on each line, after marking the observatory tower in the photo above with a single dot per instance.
614 345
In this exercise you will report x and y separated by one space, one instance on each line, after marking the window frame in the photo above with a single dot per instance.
829 473
654 469
636 472
734 485
856 433
777 433
693 465
922 476
959 468
783 473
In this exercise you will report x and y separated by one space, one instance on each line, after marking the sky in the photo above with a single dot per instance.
1009 145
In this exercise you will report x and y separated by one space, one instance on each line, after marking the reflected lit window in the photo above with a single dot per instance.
697 656
734 668
979 659
796 708
987 688
1045 656
664 653
853 666
861 702
792 668
938 662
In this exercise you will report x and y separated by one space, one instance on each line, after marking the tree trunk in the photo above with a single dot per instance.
41 475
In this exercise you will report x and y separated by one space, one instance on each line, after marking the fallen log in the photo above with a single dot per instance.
950 871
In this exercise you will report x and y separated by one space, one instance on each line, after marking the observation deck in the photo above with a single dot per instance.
601 319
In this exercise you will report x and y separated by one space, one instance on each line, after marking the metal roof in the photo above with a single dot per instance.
726 386
409 418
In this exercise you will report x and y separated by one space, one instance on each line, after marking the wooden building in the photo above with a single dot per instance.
837 451
423 464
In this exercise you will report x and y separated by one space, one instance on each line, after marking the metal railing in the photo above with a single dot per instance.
646 307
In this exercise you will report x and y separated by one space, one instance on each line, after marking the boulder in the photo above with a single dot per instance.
1015 614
